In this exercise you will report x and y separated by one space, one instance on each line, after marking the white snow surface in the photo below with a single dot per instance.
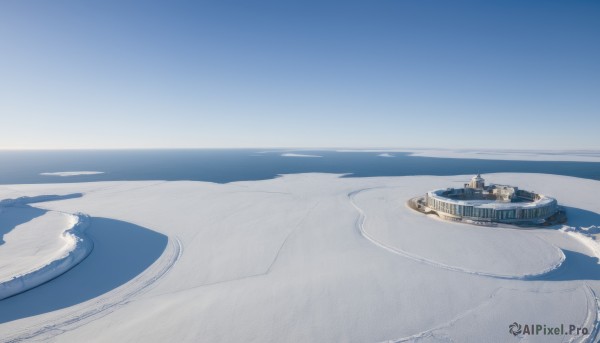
494 154
514 155
72 173
32 243
308 257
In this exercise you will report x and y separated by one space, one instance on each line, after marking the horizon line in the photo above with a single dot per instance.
298 148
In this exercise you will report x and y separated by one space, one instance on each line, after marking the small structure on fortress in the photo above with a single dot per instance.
477 203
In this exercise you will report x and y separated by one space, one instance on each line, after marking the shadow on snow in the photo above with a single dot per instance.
14 212
577 266
11 217
579 218
121 252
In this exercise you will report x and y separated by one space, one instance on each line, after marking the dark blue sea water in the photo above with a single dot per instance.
235 165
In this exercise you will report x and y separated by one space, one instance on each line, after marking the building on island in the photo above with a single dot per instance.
478 203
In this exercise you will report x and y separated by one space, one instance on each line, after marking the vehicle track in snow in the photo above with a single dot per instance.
105 304
593 310
360 226
591 320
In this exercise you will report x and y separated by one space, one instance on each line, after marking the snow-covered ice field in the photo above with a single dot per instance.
494 154
299 258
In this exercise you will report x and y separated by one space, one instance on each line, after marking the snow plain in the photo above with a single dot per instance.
307 257
512 155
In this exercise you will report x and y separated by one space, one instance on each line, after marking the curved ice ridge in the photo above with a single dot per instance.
80 247
105 304
363 217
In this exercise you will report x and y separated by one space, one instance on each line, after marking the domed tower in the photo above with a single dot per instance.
477 182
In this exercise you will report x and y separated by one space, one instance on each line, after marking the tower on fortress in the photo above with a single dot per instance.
477 182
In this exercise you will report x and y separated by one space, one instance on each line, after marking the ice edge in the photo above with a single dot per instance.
81 245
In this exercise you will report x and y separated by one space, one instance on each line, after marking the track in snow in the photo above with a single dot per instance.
106 303
360 222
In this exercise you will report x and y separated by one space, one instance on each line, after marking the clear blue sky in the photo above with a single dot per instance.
464 74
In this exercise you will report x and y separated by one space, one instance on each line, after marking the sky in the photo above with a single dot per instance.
356 74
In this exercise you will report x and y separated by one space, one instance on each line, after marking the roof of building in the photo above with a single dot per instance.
544 200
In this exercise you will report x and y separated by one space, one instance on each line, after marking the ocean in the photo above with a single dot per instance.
227 165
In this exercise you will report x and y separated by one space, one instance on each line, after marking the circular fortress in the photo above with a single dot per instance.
480 204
